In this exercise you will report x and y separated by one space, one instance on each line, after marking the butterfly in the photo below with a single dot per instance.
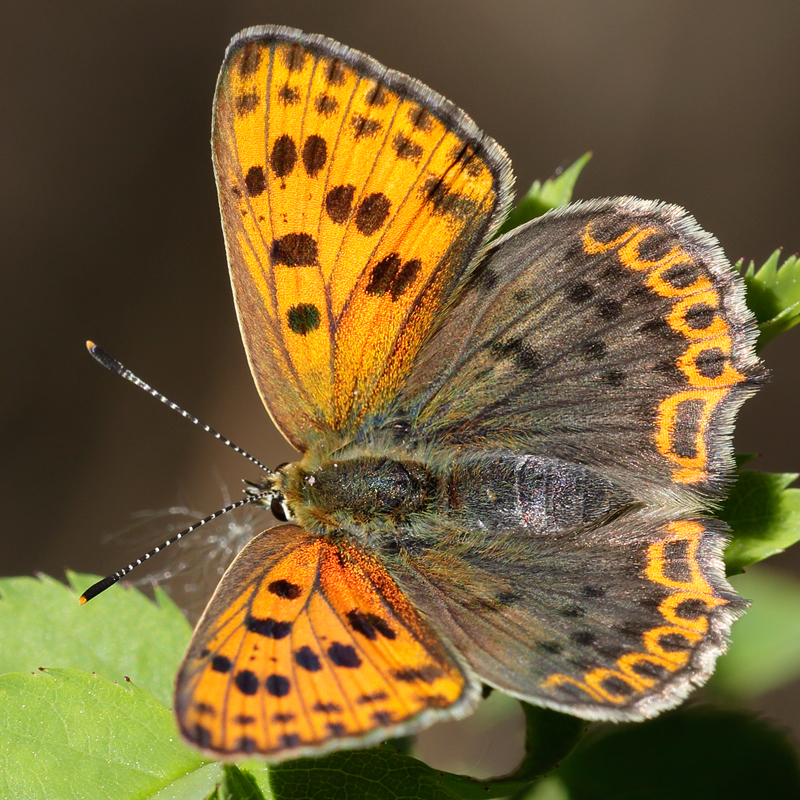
508 444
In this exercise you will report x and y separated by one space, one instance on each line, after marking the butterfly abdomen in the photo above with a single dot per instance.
544 495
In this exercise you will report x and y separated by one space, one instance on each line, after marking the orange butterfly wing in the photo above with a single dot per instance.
353 200
307 646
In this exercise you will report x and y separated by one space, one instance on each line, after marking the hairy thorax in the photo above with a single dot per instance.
375 499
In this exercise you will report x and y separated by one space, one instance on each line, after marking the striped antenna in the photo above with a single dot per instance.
256 492
109 362
102 585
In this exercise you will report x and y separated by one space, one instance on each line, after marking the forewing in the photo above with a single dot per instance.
618 622
309 646
611 334
353 200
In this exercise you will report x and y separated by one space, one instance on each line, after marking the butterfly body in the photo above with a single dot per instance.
387 503
509 447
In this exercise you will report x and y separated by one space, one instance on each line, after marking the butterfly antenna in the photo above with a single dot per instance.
253 496
109 362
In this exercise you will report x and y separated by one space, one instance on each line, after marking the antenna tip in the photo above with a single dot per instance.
109 362
98 587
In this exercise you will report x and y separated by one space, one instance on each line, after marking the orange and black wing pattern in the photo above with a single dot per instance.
611 333
353 201
307 646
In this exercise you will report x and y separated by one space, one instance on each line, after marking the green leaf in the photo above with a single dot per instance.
361 773
691 754
773 295
382 773
66 734
764 515
239 784
550 788
203 782
542 197
765 648
121 634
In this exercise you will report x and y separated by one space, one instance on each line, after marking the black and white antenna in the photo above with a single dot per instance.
261 492
109 362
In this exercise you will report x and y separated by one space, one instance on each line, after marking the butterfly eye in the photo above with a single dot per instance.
280 510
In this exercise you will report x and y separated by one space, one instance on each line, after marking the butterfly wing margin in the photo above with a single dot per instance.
307 646
353 200
618 623
612 334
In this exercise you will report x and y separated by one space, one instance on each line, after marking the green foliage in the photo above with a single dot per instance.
692 754
238 784
115 740
124 636
765 651
764 515
68 734
547 195
773 295
80 729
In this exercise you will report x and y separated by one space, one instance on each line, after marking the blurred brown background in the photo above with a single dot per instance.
110 227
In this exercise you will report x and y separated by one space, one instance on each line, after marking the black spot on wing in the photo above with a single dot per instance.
246 745
375 697
420 119
289 95
294 57
251 58
246 682
681 276
711 362
657 245
284 156
285 589
580 292
339 202
344 655
315 154
277 685
370 626
308 659
372 213
377 96
270 628
221 664
326 708
246 103
326 105
363 127
295 250
255 181
406 149
303 318
383 274
289 740
200 736
335 73
700 316
426 674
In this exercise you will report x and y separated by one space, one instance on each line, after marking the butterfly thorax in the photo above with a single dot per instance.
401 498
360 491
